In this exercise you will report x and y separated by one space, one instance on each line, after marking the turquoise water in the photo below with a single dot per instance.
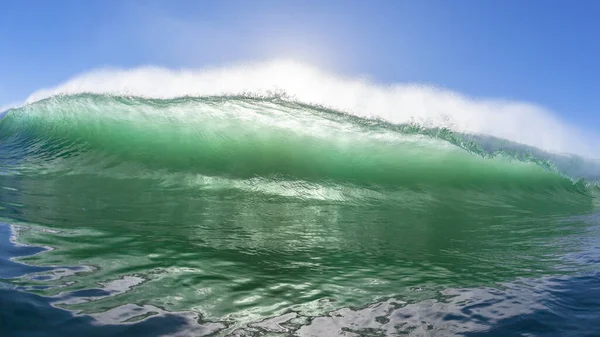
251 216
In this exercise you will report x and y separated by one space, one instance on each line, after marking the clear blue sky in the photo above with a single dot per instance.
541 51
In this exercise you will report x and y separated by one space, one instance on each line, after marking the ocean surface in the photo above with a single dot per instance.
248 215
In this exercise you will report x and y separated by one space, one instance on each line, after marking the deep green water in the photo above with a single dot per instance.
230 214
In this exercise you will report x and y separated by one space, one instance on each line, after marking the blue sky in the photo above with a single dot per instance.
546 52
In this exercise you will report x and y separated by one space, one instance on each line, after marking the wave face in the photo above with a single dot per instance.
280 149
230 210
243 138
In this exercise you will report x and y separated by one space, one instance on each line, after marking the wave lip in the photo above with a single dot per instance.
432 107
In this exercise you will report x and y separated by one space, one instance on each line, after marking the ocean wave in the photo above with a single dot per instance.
246 138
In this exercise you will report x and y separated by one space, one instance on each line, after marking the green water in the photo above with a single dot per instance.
241 209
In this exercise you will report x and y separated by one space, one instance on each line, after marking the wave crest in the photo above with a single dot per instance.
399 103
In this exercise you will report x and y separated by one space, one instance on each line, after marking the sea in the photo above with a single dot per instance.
280 200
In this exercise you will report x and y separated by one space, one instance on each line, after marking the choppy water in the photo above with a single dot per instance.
128 216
